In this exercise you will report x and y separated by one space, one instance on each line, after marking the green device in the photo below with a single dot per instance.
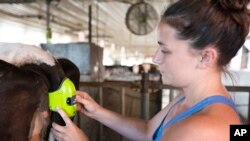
64 98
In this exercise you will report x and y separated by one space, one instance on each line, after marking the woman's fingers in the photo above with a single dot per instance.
57 134
66 119
81 100
81 94
64 116
58 128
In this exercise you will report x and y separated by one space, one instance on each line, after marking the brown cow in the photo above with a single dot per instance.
27 74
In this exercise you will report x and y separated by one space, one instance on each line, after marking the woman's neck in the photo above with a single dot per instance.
209 85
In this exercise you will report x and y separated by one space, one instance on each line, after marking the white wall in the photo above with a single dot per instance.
20 33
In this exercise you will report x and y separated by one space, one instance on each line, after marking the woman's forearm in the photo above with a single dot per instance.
131 128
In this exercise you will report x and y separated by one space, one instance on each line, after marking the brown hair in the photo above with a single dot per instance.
223 23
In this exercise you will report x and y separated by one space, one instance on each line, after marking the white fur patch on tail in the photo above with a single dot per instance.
20 54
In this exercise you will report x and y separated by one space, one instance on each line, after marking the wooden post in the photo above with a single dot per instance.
144 96
101 103
248 117
123 96
171 95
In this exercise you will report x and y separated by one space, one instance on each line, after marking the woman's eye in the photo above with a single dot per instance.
164 51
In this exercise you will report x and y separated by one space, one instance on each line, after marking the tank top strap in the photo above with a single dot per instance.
199 106
158 131
170 109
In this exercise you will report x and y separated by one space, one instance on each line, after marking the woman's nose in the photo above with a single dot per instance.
156 58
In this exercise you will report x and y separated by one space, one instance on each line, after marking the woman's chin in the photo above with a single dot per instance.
166 82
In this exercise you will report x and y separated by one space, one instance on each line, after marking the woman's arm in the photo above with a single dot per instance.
131 128
134 129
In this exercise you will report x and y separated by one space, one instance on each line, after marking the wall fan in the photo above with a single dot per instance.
141 18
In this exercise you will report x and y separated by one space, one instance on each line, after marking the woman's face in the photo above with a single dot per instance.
177 60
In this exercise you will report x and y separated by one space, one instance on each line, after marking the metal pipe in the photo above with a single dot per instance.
48 29
48 13
90 25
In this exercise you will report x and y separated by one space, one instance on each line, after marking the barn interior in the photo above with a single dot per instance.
112 42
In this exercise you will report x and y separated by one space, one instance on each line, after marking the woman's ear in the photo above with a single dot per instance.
208 57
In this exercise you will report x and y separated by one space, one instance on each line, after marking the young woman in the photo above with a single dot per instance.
197 39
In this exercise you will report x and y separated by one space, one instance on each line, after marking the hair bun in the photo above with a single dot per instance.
233 4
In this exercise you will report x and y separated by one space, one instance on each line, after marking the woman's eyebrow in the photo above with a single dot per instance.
161 43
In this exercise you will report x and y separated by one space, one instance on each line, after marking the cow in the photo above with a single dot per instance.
27 75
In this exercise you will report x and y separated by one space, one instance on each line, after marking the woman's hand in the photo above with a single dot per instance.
86 104
69 132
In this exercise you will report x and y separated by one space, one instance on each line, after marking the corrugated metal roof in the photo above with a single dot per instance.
71 16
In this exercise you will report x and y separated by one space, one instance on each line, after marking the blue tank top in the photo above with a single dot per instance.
192 110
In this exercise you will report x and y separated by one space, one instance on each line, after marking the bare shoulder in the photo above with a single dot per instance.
159 116
213 123
156 120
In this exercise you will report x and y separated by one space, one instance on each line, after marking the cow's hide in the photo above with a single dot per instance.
27 74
